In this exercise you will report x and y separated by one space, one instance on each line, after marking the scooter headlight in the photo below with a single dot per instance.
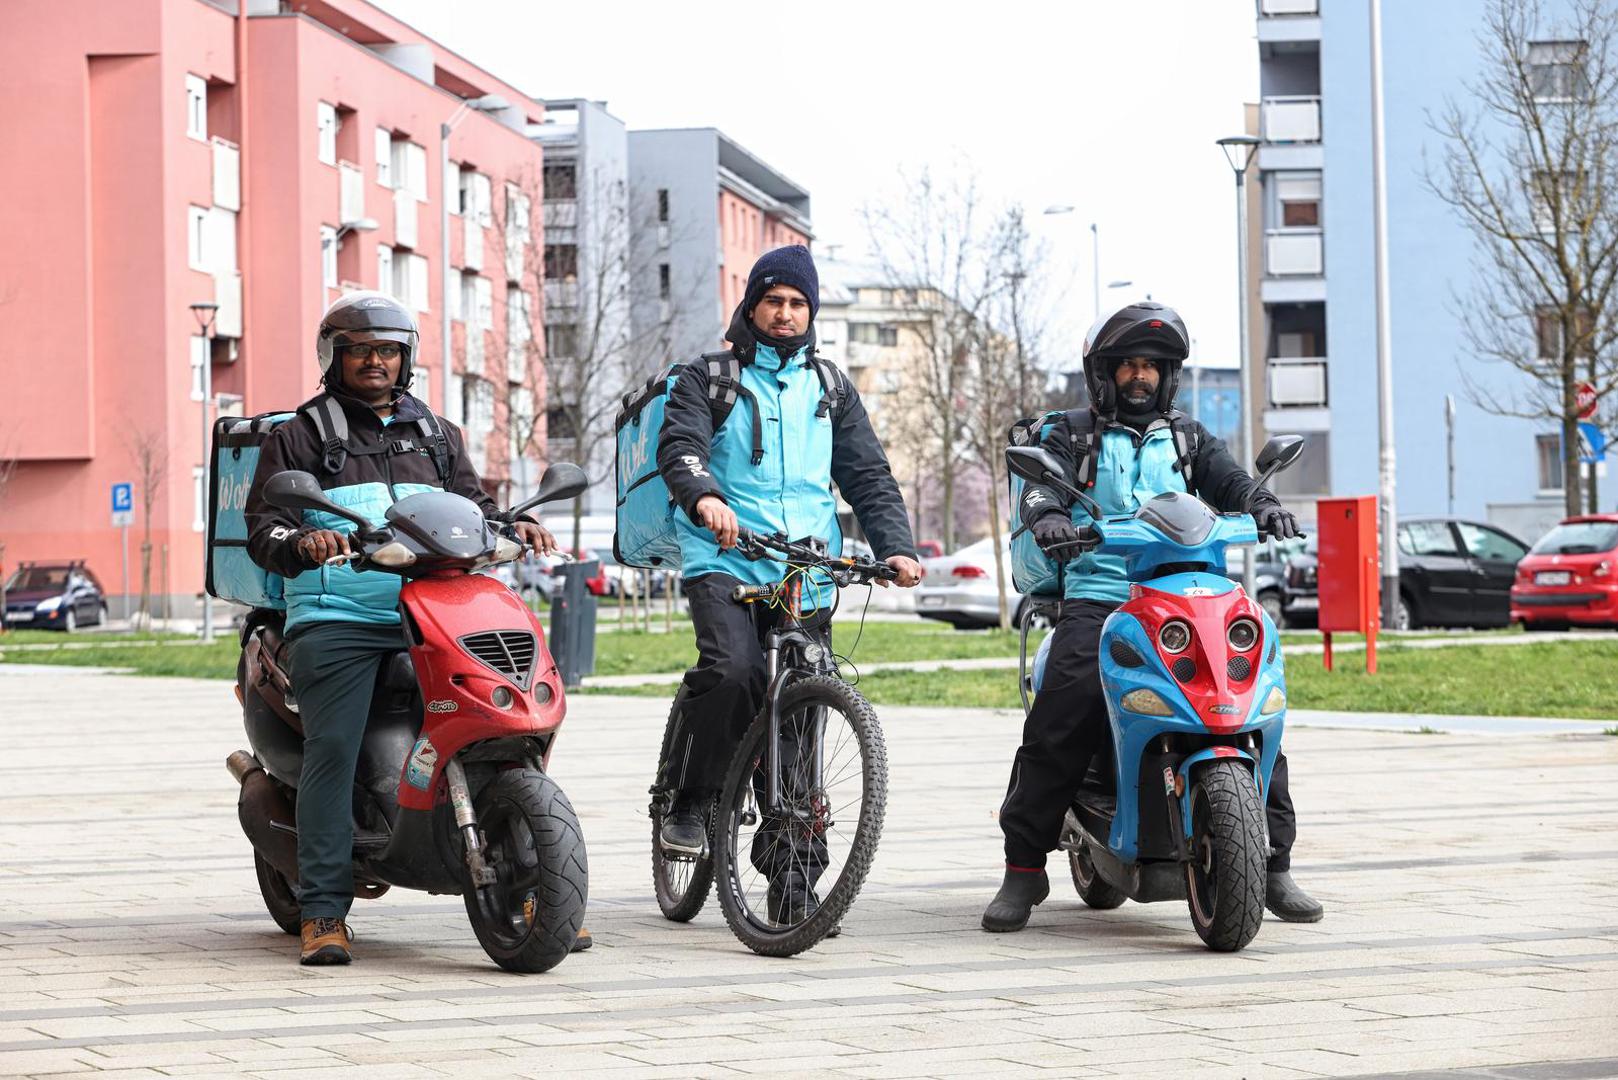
501 697
393 554
1175 637
1242 635
1274 703
1146 702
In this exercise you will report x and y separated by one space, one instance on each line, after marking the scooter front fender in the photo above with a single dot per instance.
1202 757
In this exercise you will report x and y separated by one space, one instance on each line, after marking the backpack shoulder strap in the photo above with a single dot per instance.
724 387
1086 441
432 433
833 387
1186 439
332 424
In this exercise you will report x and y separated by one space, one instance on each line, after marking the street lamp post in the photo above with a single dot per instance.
204 311
486 103
1239 151
1384 339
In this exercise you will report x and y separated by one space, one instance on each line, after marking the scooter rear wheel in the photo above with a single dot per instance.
528 920
1225 877
682 883
1092 890
280 896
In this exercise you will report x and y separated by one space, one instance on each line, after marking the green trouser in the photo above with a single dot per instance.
334 669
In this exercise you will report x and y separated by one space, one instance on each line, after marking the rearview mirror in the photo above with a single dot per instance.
1279 453
294 490
563 480
1035 464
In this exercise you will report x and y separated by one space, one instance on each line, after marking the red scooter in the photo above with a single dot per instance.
451 793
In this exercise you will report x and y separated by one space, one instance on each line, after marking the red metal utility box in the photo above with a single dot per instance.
1348 574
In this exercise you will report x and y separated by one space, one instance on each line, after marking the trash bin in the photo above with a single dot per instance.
573 622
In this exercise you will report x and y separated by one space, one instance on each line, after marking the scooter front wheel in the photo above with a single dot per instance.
1225 877
529 918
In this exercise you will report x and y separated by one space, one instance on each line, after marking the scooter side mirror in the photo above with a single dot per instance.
563 480
1038 465
294 490
1279 453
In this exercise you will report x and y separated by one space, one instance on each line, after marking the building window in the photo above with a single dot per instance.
196 107
1556 70
865 333
483 301
326 122
561 182
1548 334
384 270
1548 449
409 168
328 256
1551 197
664 289
477 198
519 332
1297 200
384 157
663 205
410 273
561 262
561 340
196 238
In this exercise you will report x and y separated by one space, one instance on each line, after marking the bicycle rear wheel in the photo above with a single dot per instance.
786 880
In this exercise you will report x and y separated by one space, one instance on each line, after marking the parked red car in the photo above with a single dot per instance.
1570 577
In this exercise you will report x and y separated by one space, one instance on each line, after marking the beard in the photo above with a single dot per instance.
1138 393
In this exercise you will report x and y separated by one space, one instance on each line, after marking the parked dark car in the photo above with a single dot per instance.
54 596
1451 573
1570 577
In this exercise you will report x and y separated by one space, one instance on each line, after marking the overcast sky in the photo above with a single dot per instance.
1111 106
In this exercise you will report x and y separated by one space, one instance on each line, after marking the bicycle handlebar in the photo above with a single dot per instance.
843 570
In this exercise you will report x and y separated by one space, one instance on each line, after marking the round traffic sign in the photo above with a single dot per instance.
1585 399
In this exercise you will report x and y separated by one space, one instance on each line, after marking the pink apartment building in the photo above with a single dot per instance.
166 152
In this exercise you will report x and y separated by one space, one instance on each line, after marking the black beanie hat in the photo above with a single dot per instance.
791 265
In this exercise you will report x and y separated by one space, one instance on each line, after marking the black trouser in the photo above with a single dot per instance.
1067 727
334 669
717 701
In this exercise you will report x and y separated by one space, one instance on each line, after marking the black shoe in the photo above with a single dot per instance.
791 901
685 830
1288 902
1019 893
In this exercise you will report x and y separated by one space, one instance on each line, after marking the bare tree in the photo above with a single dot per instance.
584 339
1530 166
933 241
150 455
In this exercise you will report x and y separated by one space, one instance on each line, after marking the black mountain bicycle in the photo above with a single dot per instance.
793 831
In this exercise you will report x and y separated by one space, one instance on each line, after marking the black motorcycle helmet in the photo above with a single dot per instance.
1144 328
366 316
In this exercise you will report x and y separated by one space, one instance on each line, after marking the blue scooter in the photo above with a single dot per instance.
1196 695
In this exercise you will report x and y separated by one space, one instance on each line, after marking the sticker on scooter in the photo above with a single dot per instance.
423 760
444 705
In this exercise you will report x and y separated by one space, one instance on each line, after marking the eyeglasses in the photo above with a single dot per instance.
386 350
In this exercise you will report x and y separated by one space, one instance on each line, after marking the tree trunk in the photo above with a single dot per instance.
947 494
1572 470
994 536
143 619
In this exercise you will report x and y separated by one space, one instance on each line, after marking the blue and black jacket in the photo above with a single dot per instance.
806 449
379 469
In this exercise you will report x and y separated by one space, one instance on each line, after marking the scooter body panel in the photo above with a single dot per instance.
449 616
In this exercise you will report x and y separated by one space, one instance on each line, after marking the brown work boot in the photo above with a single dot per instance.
325 941
583 941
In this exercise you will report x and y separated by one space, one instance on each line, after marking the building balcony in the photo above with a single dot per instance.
561 214
351 200
1294 252
561 294
406 214
227 293
1288 22
227 174
1291 119
1296 382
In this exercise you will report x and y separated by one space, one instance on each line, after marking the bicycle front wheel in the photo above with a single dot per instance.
788 873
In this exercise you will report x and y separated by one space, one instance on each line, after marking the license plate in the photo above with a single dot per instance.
1553 577
20 616
930 601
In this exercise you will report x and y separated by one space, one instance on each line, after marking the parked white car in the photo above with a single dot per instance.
960 589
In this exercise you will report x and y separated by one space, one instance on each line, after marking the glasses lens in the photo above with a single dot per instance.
387 352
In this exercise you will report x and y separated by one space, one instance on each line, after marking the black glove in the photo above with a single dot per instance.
1052 530
1275 521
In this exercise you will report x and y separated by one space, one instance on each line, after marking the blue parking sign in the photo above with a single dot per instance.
123 498
1592 443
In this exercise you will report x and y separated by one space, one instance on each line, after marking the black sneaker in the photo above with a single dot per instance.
685 830
791 900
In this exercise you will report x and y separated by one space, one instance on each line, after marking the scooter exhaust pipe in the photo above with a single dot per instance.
266 817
